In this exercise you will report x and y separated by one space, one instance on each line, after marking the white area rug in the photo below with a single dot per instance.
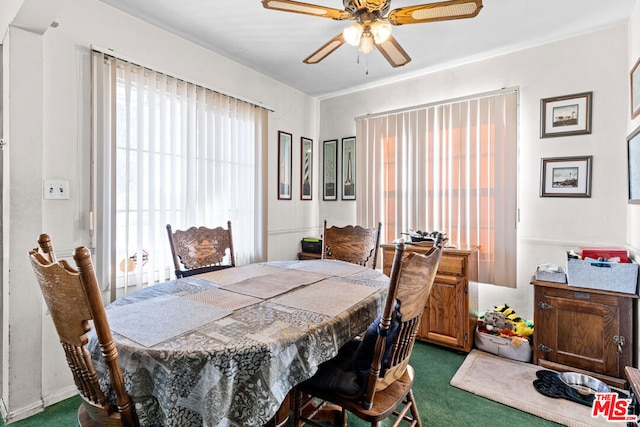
511 383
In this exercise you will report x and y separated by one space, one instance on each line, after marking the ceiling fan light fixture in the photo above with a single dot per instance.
374 21
366 42
381 31
353 34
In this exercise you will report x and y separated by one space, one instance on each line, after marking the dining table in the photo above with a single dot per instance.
225 348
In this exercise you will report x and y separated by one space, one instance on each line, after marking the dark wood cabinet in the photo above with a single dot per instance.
308 255
583 330
450 314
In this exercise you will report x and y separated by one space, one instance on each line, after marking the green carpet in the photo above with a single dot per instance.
62 414
440 404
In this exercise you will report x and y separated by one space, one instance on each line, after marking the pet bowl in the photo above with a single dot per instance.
584 385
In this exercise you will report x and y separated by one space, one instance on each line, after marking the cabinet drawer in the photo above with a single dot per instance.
447 279
451 265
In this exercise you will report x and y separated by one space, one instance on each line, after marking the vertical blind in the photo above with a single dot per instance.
167 151
450 167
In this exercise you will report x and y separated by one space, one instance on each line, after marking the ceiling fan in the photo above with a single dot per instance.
373 24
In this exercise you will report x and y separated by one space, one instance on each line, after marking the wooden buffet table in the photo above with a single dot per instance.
451 312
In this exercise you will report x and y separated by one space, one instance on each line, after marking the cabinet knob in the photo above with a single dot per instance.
543 348
544 306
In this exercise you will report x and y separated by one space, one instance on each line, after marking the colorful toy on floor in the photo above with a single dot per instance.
503 320
495 321
501 331
520 326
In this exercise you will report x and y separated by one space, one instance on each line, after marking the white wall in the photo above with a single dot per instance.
22 356
633 211
51 72
548 226
632 57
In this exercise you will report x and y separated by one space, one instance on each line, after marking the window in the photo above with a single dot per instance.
449 167
170 152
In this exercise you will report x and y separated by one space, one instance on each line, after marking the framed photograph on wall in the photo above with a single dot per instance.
633 152
635 90
284 165
566 115
306 169
349 168
330 170
566 177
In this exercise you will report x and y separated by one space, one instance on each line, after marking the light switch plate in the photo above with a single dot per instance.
55 189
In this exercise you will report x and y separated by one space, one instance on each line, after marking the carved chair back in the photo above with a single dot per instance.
410 283
73 299
354 244
200 250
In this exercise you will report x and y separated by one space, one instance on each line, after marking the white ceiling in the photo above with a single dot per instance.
274 43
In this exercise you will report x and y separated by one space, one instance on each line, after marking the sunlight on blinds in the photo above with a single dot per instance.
170 152
448 167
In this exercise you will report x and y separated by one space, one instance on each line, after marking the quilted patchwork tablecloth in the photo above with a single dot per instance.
225 348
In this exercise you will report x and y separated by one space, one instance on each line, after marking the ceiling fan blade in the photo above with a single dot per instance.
441 11
393 52
325 50
306 9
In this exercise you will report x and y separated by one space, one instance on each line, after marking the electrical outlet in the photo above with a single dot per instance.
56 189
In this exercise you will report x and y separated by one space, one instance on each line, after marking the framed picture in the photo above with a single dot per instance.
635 90
633 151
284 165
566 177
566 115
349 168
306 169
330 170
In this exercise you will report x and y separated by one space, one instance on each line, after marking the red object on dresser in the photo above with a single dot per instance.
605 253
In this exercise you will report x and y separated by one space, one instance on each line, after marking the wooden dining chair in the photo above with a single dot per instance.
352 243
200 250
46 248
385 389
73 299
